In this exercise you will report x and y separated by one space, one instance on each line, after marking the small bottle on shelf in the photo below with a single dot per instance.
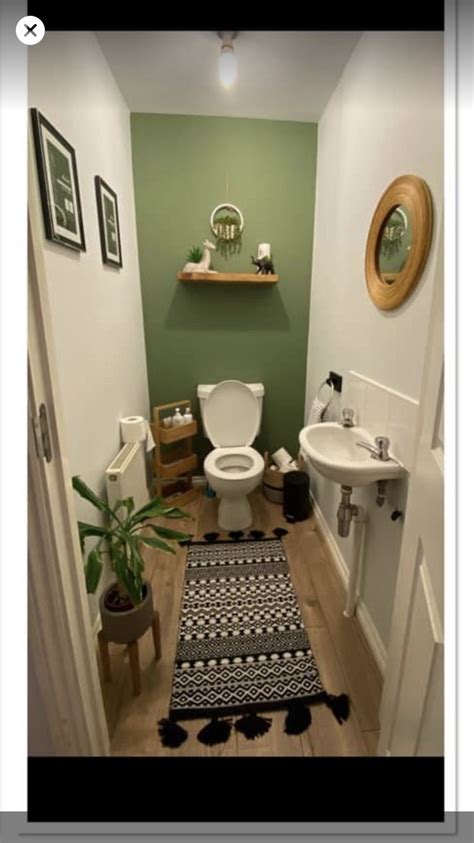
188 416
178 419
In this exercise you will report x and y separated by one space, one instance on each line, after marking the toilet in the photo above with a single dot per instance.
231 413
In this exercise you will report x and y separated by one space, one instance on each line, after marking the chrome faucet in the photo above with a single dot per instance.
347 417
379 451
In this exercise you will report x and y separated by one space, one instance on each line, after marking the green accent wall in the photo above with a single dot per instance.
205 333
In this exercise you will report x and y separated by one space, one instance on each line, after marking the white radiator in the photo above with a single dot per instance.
126 476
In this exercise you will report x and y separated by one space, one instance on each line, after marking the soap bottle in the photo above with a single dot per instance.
177 418
188 416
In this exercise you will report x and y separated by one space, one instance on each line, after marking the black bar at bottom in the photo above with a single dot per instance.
250 789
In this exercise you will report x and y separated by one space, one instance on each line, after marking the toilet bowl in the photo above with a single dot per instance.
231 414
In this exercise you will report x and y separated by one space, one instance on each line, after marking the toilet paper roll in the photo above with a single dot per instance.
281 458
289 466
137 429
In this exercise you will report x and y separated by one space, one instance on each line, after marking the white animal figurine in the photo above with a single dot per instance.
204 264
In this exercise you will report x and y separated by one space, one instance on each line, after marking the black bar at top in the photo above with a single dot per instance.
418 15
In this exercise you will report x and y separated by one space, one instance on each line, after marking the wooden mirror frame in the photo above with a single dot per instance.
414 194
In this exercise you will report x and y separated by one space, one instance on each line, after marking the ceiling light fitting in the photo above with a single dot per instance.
227 59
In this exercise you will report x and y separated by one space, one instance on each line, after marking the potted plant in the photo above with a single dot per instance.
126 606
195 254
227 227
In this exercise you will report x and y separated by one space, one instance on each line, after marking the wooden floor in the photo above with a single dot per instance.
340 650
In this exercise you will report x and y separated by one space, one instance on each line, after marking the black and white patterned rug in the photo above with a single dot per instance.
242 645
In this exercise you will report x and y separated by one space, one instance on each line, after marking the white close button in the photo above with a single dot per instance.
30 30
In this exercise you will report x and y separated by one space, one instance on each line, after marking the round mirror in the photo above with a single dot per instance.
398 241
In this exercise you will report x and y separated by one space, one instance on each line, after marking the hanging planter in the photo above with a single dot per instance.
227 223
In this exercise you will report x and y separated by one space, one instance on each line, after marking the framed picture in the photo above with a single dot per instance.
107 208
59 184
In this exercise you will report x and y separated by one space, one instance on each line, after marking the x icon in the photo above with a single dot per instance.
30 30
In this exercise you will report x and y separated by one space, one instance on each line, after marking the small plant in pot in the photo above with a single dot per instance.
195 254
126 606
227 227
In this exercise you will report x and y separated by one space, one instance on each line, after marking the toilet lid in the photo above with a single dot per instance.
231 415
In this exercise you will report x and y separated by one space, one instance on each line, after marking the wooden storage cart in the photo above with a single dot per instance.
175 459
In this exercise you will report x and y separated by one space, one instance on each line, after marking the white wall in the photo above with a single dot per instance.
96 309
385 119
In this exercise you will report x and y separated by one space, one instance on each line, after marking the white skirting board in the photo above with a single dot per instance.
364 617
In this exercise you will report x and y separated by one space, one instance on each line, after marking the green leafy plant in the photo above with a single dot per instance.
228 219
195 254
122 538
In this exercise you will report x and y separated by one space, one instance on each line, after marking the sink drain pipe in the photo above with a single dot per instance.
347 513
354 577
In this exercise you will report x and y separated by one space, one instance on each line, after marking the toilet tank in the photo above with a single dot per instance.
204 390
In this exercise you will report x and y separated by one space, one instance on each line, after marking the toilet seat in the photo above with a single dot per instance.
231 415
234 464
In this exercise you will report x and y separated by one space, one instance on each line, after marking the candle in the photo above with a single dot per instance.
263 250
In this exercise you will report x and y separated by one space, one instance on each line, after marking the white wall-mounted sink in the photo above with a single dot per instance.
332 450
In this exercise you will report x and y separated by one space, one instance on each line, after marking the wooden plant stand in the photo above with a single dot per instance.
174 458
133 656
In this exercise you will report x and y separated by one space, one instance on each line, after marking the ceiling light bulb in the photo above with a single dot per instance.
227 65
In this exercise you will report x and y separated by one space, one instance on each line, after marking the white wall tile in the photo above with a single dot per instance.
403 416
376 410
384 412
353 396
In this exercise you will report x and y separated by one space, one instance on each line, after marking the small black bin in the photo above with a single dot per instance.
296 503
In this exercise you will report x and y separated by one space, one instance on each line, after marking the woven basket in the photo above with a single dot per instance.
272 482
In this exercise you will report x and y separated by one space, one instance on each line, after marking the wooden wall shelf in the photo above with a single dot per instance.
226 278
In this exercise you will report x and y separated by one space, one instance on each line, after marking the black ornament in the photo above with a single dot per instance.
265 266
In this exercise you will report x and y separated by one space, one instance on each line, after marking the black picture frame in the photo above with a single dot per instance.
58 183
109 227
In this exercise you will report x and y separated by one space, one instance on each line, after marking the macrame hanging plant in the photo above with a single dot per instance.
227 224
394 230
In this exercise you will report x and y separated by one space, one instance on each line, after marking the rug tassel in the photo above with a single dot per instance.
211 537
280 532
340 706
253 726
256 534
298 718
171 733
235 535
217 731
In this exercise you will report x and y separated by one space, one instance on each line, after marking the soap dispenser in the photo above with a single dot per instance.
177 418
